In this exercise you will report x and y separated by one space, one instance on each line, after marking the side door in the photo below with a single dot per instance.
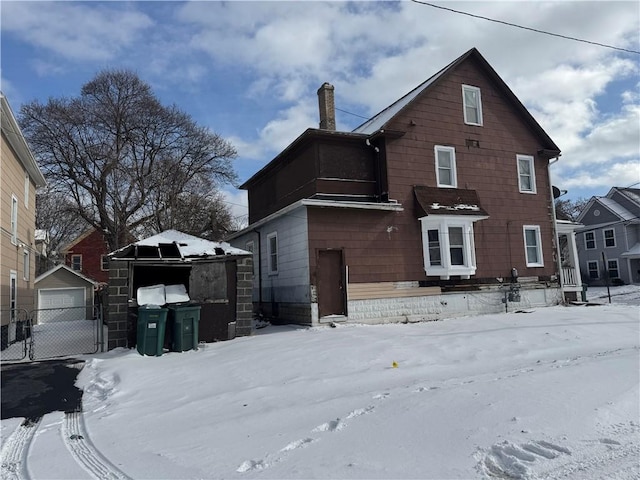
331 291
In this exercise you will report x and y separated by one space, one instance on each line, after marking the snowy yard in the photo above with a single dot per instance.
548 393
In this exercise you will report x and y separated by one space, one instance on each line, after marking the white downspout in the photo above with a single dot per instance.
555 229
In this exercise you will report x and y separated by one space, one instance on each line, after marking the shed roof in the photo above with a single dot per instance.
175 245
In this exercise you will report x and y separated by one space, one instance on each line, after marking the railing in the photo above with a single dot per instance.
569 276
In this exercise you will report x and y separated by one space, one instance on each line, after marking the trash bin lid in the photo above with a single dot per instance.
151 295
176 294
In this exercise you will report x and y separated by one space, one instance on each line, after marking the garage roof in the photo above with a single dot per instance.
63 267
175 245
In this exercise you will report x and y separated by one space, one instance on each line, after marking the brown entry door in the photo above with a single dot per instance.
331 299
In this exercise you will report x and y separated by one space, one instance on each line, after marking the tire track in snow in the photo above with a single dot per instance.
76 439
15 450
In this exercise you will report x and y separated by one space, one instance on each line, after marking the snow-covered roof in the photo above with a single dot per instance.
633 252
184 246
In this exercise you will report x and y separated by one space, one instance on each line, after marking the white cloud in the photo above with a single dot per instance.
73 31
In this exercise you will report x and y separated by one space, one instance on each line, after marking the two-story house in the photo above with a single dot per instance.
87 255
439 205
609 241
19 178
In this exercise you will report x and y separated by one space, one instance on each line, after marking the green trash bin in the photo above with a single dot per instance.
184 321
151 328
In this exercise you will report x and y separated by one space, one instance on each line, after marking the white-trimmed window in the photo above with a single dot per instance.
533 245
589 240
26 189
13 293
76 263
104 263
272 257
612 269
472 104
609 237
26 265
526 174
594 273
14 219
448 245
446 166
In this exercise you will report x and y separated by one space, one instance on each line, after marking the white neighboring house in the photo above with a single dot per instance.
609 240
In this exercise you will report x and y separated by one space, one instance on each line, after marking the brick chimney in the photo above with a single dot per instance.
327 107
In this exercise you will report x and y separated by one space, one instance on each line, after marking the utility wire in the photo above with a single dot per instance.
349 113
526 28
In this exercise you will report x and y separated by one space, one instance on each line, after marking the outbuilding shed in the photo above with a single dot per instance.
217 276
62 293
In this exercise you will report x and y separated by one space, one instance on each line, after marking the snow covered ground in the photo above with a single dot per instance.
550 393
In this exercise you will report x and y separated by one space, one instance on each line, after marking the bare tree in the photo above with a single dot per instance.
570 209
121 156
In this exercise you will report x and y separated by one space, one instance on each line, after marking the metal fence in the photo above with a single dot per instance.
52 333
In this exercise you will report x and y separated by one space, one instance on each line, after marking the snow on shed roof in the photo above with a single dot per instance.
186 246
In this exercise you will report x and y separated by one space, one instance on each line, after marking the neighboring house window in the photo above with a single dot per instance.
594 274
14 220
590 240
272 245
609 238
472 105
13 293
104 262
26 189
612 268
76 262
26 264
526 174
533 245
448 246
446 166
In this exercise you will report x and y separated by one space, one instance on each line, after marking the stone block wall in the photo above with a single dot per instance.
118 304
244 304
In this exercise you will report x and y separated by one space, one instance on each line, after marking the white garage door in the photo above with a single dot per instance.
61 304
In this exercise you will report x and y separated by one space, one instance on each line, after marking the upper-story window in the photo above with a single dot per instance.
272 245
609 237
76 263
14 220
26 265
26 189
472 105
589 240
104 262
533 246
446 166
526 174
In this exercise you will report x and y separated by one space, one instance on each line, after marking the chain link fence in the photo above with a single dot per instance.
52 333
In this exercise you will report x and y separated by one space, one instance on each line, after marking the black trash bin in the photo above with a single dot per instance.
184 321
150 331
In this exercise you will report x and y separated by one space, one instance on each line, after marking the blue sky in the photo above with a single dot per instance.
250 70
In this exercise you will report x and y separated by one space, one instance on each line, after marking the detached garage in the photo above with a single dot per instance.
63 295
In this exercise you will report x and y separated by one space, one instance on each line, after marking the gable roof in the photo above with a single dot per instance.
13 133
77 240
610 204
382 119
632 194
63 267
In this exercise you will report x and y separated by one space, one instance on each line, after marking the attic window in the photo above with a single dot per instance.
472 103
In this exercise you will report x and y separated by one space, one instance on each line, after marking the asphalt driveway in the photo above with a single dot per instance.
31 390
